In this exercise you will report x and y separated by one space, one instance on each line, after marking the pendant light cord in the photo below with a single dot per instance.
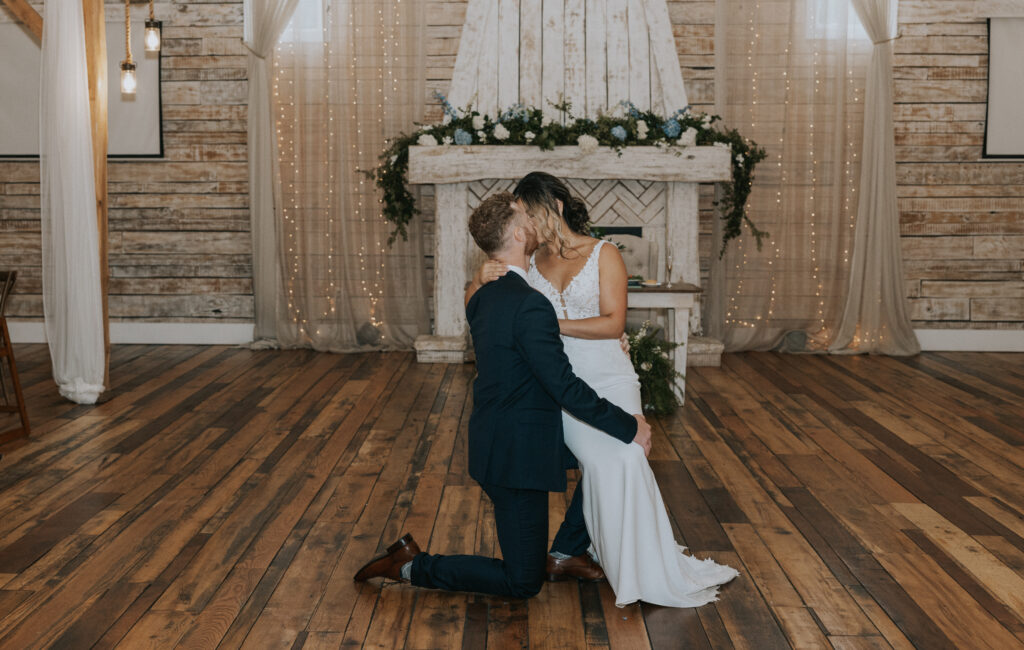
128 30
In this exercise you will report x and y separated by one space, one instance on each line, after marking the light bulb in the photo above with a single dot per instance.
152 39
128 80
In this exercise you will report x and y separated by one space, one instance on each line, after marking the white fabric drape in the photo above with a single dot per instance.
72 296
264 22
793 82
875 317
347 75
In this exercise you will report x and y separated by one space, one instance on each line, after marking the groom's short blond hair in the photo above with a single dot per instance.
490 221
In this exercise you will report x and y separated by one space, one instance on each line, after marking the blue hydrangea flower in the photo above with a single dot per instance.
463 137
619 133
671 128
449 110
516 111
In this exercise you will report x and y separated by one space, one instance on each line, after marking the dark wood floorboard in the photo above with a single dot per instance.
222 498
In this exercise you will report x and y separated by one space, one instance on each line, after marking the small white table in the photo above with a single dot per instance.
678 299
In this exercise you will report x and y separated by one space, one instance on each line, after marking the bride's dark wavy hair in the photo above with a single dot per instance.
540 193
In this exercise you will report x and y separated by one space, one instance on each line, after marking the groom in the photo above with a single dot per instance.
516 450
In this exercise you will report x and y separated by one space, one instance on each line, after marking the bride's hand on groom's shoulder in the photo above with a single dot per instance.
490 271
643 434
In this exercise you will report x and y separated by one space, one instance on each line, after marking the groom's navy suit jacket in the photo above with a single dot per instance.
524 381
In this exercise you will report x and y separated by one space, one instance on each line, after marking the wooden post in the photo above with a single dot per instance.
96 61
24 12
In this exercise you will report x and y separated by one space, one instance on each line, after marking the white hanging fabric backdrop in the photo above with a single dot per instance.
72 303
875 318
264 22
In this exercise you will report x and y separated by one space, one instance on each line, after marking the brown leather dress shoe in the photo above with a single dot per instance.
581 567
390 565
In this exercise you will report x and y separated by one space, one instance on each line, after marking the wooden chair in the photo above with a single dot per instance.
7 279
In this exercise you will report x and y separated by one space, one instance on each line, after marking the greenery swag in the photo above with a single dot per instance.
627 126
651 359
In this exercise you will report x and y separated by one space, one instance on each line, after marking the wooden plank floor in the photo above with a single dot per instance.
222 497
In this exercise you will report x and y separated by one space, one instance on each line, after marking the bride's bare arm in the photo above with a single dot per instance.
612 321
489 271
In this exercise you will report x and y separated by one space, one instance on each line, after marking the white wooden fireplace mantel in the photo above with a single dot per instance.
675 173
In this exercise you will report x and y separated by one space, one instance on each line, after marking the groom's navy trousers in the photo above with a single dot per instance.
516 449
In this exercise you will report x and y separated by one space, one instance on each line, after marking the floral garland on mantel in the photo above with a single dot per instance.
626 126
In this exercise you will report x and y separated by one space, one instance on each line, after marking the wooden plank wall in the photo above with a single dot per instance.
179 227
961 218
179 239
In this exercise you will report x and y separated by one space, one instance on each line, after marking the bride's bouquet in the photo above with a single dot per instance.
651 357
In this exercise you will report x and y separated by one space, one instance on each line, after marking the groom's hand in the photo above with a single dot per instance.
643 434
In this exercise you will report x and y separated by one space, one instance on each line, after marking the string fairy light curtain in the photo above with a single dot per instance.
347 74
790 75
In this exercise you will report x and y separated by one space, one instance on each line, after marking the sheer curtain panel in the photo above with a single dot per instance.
72 297
875 317
264 22
790 75
347 74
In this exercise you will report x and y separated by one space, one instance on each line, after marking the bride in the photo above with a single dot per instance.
585 280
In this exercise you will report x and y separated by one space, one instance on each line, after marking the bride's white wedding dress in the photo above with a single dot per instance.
629 527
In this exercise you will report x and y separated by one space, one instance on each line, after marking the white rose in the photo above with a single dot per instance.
500 132
426 140
478 122
481 136
688 138
739 158
545 121
641 130
529 136
393 159
645 366
587 143
447 139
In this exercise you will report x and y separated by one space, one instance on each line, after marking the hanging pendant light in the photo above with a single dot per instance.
129 82
152 39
